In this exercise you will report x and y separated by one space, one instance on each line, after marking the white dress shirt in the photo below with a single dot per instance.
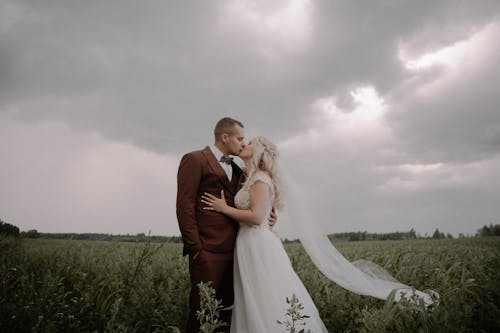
227 167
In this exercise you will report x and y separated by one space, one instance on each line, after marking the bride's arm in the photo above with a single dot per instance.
259 197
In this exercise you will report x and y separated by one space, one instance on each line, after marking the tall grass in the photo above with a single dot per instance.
90 286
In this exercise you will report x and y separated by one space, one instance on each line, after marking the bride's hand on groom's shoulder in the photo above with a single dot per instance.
273 217
214 203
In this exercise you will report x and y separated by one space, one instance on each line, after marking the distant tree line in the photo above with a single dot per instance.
355 236
364 235
8 229
11 230
491 230
138 238
398 235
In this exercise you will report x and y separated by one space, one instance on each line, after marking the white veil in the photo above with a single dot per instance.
362 276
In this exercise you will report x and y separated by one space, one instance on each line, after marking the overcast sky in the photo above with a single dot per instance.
387 113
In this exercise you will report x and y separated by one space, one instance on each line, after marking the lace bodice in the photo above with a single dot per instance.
242 198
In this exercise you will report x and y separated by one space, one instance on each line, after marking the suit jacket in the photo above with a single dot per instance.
200 172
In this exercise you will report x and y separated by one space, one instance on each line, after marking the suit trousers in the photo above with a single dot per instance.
215 267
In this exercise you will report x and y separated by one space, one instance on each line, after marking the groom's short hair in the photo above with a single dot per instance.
226 125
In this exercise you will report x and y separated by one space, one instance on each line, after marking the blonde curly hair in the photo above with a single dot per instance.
265 156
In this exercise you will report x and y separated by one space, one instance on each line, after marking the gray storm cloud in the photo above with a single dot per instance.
89 88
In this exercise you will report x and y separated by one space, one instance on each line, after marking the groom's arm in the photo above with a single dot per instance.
188 181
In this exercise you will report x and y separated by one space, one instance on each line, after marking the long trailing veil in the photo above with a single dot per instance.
361 277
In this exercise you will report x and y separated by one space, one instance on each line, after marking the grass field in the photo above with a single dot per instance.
91 286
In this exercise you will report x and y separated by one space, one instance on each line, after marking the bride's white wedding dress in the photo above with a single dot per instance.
263 275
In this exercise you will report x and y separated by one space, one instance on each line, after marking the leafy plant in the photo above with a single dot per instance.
210 308
294 316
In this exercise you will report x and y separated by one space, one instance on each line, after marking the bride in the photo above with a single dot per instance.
263 274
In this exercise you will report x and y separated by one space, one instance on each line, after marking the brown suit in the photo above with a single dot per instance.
212 233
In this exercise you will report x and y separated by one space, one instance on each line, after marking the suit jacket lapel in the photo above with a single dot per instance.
217 169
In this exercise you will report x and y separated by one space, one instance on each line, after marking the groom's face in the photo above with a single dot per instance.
236 141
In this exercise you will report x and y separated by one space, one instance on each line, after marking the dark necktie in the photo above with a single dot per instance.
234 178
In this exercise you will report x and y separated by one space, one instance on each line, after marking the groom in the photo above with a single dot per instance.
209 237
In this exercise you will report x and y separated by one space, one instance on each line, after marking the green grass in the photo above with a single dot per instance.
91 286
